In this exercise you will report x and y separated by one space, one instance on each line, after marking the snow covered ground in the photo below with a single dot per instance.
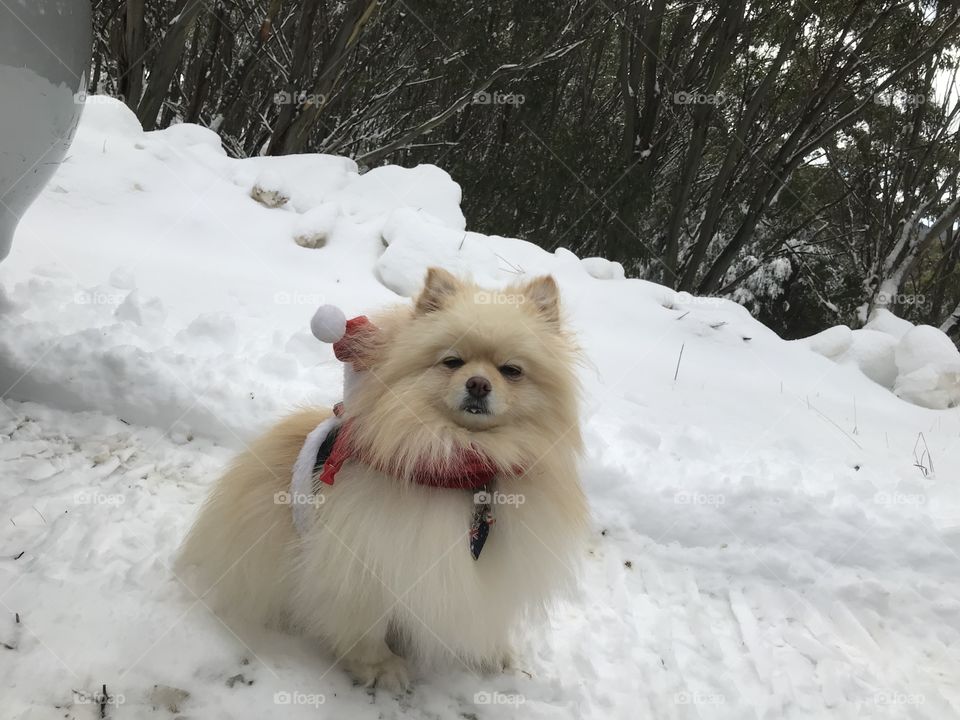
776 535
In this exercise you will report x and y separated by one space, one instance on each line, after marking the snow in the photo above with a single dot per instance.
925 345
885 321
416 240
775 534
832 343
315 226
920 364
874 353
929 368
603 269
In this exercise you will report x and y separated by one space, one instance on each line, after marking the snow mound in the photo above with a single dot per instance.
929 368
426 188
416 242
315 227
832 343
603 269
924 345
882 320
873 353
920 364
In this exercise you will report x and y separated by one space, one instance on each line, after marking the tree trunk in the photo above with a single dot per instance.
693 157
295 86
735 150
130 83
356 17
167 60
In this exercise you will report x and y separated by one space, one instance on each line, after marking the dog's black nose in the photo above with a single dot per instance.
478 386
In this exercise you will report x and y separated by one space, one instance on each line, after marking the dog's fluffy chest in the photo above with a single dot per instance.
408 547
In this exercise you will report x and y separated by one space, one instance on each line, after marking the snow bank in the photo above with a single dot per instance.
928 365
920 364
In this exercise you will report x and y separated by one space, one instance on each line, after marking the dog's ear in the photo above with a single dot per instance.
542 296
438 287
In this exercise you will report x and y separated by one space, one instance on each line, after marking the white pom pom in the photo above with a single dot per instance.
328 324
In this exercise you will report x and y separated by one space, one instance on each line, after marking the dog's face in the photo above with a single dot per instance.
472 364
489 357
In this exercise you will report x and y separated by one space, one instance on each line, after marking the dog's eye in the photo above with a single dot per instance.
452 362
511 372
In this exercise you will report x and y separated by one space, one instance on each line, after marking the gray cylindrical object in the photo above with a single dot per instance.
44 59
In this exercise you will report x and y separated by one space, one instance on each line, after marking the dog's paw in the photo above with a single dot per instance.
389 674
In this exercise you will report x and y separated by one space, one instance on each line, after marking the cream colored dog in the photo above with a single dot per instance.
384 573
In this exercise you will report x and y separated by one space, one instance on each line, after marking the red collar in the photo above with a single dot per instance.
471 470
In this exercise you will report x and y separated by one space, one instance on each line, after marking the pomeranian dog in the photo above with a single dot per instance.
385 574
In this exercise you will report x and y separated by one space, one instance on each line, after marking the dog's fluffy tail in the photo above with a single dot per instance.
234 556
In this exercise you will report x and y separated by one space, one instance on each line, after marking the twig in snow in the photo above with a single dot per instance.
924 459
848 436
679 357
516 269
15 640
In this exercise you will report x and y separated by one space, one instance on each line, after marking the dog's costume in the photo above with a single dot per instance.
328 445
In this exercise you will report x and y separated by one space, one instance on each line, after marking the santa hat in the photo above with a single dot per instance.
351 340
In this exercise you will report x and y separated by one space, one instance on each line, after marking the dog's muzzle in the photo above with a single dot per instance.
475 406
